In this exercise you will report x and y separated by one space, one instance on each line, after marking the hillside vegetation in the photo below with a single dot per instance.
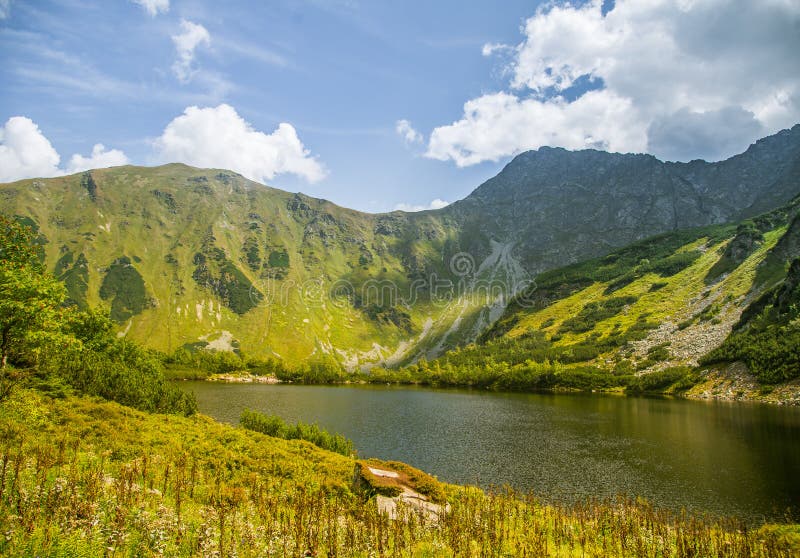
190 258
54 345
186 258
645 317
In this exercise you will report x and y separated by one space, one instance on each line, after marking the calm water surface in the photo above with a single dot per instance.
722 458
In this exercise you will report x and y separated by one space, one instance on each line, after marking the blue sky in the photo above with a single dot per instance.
373 104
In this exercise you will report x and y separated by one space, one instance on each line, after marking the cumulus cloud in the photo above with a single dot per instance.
406 131
697 78
435 204
502 124
100 158
192 35
153 7
219 137
25 152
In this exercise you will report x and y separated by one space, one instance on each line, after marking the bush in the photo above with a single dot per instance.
659 381
594 313
274 426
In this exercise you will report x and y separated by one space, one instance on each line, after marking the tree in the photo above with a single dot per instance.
30 299
30 303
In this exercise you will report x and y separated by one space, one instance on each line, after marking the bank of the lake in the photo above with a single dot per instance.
732 382
723 458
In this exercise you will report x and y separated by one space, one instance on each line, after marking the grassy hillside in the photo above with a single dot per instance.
642 318
82 477
184 257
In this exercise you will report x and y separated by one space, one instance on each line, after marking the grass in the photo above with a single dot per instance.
592 314
80 476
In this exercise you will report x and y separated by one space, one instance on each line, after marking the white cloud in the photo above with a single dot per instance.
192 35
153 7
502 124
219 137
697 78
407 132
25 152
100 158
435 204
5 8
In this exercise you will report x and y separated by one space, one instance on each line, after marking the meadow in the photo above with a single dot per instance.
80 476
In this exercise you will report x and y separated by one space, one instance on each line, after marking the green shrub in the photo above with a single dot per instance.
658 381
274 426
595 312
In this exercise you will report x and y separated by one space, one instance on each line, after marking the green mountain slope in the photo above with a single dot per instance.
186 257
653 307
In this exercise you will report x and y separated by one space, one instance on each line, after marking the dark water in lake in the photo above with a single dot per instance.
722 458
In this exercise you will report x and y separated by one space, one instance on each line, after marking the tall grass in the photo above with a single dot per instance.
82 478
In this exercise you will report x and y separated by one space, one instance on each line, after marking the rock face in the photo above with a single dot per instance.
559 207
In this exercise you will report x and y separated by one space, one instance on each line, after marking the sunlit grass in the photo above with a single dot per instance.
673 301
83 477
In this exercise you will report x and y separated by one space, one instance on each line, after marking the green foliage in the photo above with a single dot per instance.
76 280
748 238
278 258
65 346
124 286
767 338
525 376
30 300
252 253
125 373
274 426
316 371
210 362
388 315
772 355
661 380
594 313
659 254
217 273
167 199
236 290
87 181
198 363
657 286
115 369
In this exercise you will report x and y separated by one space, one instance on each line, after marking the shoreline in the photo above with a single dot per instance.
731 384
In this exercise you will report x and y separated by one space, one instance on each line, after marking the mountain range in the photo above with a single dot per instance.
187 257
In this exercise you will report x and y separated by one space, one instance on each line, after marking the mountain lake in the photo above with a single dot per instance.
720 458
